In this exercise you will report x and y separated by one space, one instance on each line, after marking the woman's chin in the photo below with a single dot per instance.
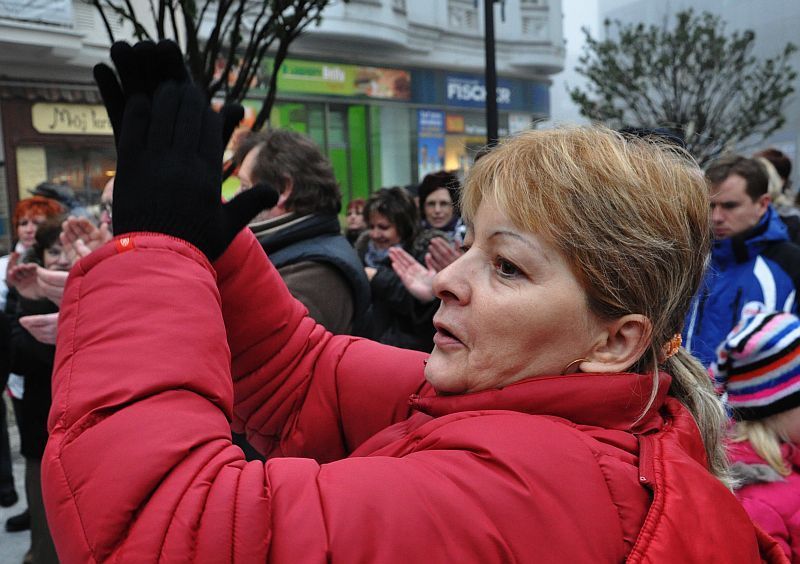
443 375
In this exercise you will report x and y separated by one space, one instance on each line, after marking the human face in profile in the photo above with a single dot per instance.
511 309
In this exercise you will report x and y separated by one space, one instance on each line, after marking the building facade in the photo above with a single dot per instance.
389 89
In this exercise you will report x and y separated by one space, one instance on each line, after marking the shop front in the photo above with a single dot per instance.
48 139
388 127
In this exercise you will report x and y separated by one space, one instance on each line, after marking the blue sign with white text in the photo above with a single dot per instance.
470 92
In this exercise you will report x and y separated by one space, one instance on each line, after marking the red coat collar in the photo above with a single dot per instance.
611 401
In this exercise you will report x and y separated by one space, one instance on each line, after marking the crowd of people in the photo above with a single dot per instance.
563 357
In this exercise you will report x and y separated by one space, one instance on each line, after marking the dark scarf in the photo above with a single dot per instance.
275 234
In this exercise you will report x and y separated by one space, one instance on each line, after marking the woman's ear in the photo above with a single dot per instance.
623 343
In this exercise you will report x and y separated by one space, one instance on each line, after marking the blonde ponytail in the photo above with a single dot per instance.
692 386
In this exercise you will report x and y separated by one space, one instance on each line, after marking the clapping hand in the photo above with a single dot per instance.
79 237
51 283
441 253
169 149
43 328
417 279
23 278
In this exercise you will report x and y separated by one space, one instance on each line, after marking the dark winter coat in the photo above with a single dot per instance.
34 361
400 319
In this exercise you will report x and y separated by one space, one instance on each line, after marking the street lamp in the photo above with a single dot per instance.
491 74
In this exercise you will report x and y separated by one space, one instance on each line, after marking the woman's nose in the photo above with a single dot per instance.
452 284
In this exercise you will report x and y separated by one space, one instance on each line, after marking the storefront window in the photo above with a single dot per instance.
85 170
466 135
343 133
397 140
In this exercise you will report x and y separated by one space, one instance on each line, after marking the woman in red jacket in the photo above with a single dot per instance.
557 419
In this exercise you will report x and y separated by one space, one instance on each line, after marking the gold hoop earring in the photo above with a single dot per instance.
571 364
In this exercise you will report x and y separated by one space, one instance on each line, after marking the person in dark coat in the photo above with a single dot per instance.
399 318
33 360
301 234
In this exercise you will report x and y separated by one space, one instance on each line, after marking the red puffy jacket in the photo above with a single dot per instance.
140 466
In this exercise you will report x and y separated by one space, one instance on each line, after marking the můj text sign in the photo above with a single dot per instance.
71 119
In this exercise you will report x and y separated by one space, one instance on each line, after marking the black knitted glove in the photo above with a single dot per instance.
141 68
169 171
169 166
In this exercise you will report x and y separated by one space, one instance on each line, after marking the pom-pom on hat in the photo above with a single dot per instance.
758 365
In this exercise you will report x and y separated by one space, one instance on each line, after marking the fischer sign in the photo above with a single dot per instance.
465 91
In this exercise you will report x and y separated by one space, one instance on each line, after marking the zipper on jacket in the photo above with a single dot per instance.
736 305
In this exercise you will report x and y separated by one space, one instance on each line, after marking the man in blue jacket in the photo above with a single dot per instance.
753 264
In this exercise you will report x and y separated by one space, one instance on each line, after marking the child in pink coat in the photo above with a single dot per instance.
758 372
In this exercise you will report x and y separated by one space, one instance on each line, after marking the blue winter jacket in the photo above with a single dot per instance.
759 266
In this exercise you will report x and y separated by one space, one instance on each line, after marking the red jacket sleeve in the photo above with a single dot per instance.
300 391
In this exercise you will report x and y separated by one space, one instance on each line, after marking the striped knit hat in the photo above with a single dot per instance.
758 366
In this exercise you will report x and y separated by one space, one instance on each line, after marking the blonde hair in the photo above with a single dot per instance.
774 184
631 216
765 437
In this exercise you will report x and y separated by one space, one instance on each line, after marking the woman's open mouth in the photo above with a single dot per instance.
444 337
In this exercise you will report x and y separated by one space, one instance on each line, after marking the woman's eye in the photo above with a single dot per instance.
505 268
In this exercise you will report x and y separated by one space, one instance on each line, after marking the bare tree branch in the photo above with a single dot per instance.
239 33
96 4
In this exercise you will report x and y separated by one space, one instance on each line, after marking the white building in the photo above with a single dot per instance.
775 24
390 89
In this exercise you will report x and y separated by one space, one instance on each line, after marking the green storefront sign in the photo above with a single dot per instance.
334 79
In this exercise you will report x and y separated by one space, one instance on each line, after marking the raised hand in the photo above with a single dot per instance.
417 279
23 278
169 172
79 237
43 328
440 254
141 68
169 151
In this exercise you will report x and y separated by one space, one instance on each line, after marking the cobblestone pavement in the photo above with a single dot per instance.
14 545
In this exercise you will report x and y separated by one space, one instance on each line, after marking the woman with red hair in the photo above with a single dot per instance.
28 214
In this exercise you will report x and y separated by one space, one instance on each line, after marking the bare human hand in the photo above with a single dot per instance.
23 278
417 279
79 237
43 328
52 283
440 254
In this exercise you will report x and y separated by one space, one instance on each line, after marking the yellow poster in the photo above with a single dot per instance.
71 119
31 169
